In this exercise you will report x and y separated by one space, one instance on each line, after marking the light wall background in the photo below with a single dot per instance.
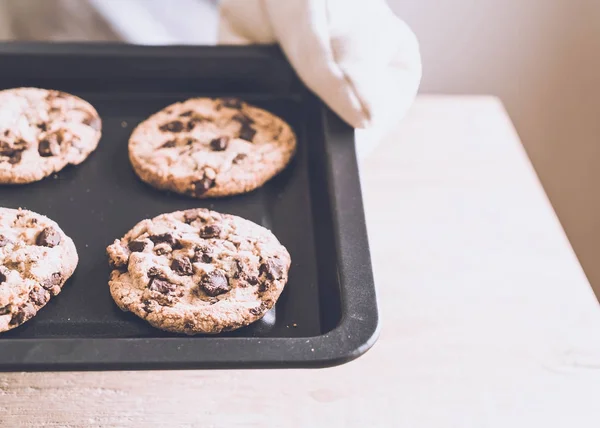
542 58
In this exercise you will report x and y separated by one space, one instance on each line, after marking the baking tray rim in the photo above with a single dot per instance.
359 325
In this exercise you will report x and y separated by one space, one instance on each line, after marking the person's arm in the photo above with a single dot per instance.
360 58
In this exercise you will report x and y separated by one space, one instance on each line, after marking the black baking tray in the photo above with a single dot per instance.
327 313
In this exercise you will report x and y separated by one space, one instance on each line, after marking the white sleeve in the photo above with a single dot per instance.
356 55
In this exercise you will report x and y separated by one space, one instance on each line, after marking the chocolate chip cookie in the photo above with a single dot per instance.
206 147
36 258
198 271
42 131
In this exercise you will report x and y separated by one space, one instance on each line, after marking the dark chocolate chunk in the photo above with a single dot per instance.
187 113
49 237
273 268
182 266
2 277
155 272
232 102
39 296
161 285
136 246
239 272
247 132
252 280
23 313
168 144
54 280
13 152
243 119
4 241
15 158
174 126
48 148
93 122
5 309
214 283
263 286
239 157
42 126
219 144
202 254
147 305
188 325
163 237
259 309
210 231
203 185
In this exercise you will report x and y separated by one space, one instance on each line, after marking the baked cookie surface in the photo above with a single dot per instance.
198 271
210 147
42 131
36 258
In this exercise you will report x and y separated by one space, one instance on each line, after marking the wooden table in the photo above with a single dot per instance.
488 319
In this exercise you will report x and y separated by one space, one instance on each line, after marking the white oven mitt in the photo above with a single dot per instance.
356 55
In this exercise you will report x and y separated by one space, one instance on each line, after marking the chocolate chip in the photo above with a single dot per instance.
136 246
154 272
186 113
273 268
214 283
168 144
239 265
203 185
174 126
190 215
252 280
148 305
23 313
163 237
247 132
2 277
43 126
48 237
263 287
161 285
4 241
48 148
182 266
202 254
93 122
219 144
15 158
188 325
5 309
51 282
242 118
232 102
239 157
39 296
210 231
259 309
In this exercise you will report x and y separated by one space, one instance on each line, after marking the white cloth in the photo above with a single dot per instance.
356 55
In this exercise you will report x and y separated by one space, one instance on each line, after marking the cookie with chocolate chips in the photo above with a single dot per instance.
206 147
36 258
42 131
219 273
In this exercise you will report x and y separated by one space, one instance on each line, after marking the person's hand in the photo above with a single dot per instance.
357 56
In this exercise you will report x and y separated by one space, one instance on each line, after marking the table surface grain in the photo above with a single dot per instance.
488 319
